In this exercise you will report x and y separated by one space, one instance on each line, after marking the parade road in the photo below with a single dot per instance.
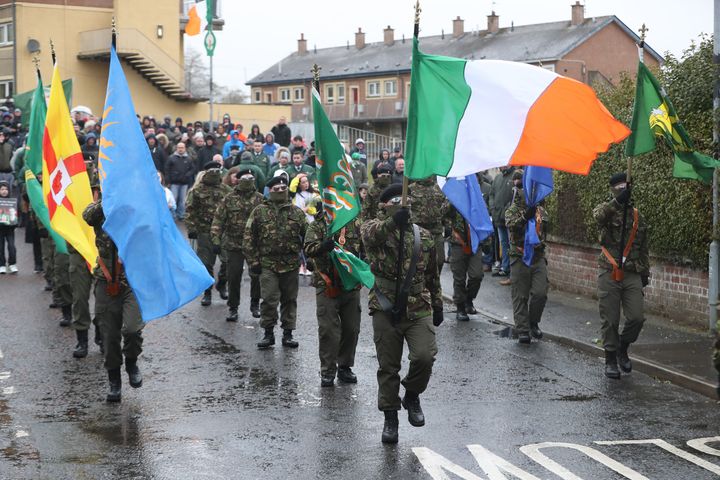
213 406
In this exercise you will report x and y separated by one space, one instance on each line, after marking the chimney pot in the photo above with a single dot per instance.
302 45
389 35
359 39
458 27
493 23
578 14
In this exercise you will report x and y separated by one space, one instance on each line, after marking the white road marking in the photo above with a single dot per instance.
700 444
21 434
1 354
8 390
670 448
533 451
436 465
492 465
4 375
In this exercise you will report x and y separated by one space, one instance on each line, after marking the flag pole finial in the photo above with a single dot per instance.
114 32
643 30
316 76
52 50
416 31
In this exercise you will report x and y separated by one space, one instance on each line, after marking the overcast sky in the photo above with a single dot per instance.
257 35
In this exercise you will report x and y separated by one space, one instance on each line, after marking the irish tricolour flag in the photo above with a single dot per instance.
468 116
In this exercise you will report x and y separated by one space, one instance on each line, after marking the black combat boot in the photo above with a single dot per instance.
115 385
207 298
535 331
470 308
134 375
221 287
623 359
524 337
327 380
268 340
611 367
461 315
255 307
411 403
66 320
232 315
81 349
287 340
346 375
390 429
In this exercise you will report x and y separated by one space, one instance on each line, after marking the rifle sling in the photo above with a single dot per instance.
385 304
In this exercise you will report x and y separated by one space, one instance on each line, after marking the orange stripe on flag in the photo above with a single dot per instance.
193 25
567 139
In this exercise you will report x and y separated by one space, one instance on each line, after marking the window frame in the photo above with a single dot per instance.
4 30
395 88
340 99
295 95
378 91
330 93
281 95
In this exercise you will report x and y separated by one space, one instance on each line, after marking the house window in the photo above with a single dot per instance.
299 94
7 34
6 88
329 94
550 67
284 94
341 93
258 96
390 88
373 89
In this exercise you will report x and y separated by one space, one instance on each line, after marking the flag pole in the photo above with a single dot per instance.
416 34
714 245
52 52
113 38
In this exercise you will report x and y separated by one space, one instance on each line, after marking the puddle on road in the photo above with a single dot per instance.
576 398
506 332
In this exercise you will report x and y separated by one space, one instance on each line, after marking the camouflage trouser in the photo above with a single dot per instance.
62 291
389 339
204 250
467 271
716 352
235 265
81 281
338 329
440 251
48 254
611 296
282 289
120 324
529 292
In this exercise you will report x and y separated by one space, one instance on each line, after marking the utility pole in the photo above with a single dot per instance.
210 49
714 246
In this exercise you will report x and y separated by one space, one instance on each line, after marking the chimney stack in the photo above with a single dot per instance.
359 39
458 27
578 14
493 23
302 45
389 36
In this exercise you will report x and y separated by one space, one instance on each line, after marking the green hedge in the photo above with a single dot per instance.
679 212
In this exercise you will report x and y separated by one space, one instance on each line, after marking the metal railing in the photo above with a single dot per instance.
374 142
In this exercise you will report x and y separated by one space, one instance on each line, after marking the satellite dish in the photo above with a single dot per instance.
33 46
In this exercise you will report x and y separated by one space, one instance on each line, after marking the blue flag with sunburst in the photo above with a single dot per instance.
161 268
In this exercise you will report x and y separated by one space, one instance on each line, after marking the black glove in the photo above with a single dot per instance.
256 269
438 316
327 245
216 249
530 213
401 217
192 235
645 280
447 232
624 196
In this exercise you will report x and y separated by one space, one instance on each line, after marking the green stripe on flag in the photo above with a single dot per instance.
34 191
351 270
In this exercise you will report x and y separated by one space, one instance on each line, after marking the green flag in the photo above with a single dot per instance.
654 116
24 100
33 164
351 269
335 181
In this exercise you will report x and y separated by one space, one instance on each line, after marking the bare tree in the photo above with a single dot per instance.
197 80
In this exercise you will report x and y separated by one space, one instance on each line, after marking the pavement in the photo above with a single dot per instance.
667 349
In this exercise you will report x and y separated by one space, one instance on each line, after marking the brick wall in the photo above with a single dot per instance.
674 291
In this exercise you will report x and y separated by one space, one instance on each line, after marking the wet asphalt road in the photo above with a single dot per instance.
213 406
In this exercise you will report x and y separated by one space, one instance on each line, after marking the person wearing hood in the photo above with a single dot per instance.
202 201
383 178
255 135
282 157
227 232
272 244
179 174
208 151
385 157
234 140
270 147
158 152
6 152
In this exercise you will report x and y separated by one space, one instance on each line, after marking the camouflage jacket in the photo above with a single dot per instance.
202 201
233 211
370 205
429 205
517 226
95 217
316 234
381 238
609 217
273 236
457 223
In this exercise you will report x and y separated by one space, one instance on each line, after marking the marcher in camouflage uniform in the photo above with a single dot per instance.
435 206
414 322
621 283
62 290
529 284
338 310
116 309
716 359
383 179
227 231
273 239
202 201
466 266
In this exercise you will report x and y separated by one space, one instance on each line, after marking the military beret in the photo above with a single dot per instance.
210 165
517 174
394 190
244 171
276 180
618 178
